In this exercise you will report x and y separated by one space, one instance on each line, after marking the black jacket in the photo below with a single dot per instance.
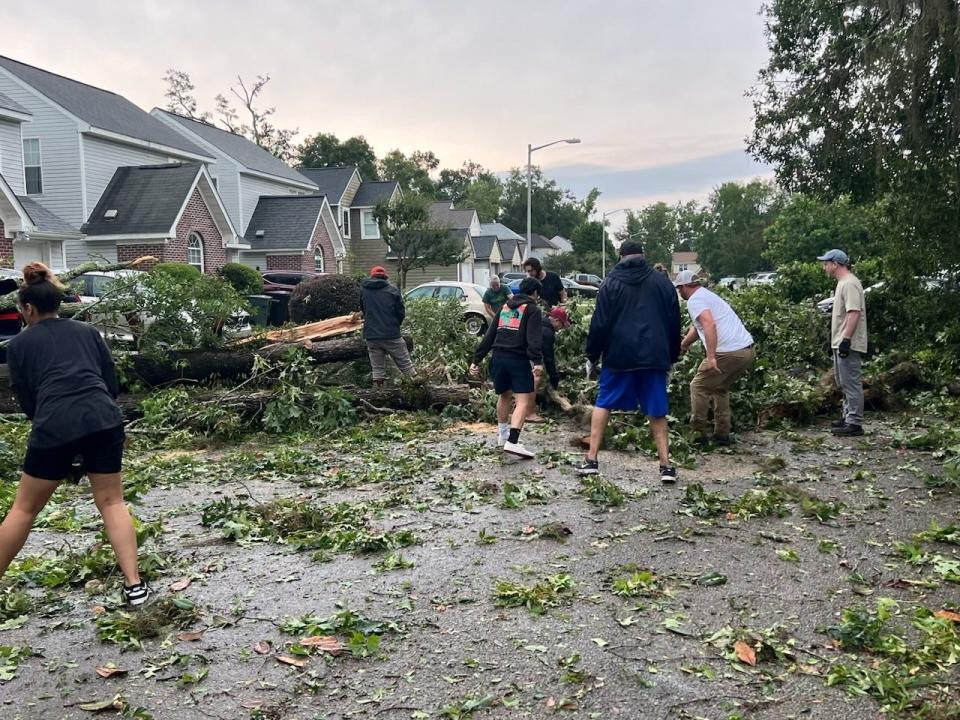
636 325
517 331
383 310
65 380
549 352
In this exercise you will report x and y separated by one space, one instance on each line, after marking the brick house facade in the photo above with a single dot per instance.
6 248
306 261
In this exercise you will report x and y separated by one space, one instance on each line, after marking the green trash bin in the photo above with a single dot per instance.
260 309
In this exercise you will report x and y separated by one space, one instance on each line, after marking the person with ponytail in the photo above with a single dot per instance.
66 383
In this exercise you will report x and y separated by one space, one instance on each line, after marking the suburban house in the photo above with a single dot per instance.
75 142
291 232
365 245
541 247
681 261
340 184
561 243
487 260
511 246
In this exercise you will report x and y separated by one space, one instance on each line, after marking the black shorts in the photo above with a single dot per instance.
99 452
511 372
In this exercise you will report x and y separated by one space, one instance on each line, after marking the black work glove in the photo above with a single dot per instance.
844 349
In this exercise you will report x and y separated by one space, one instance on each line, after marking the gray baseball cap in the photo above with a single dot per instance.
837 256
685 277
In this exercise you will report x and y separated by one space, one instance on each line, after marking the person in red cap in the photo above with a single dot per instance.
383 313
554 320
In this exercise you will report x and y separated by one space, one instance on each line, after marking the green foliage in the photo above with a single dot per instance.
178 271
130 629
245 280
323 297
550 592
602 492
11 657
697 502
412 172
657 227
518 494
553 211
563 264
472 186
443 349
636 583
327 150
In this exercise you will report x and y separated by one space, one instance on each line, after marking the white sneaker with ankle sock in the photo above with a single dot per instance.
503 432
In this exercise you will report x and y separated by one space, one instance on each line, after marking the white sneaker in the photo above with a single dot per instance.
501 440
518 449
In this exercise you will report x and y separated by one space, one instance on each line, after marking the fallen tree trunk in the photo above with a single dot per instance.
198 366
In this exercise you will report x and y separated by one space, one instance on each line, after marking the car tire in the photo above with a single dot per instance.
476 325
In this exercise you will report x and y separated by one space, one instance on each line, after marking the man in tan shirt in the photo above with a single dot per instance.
848 340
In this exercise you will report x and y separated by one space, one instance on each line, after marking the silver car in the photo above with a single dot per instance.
471 296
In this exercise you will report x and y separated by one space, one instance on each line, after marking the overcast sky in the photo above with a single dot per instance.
654 88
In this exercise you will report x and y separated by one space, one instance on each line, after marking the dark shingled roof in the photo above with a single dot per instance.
7 103
245 152
483 245
442 214
100 108
47 223
147 199
507 246
287 221
370 193
538 241
331 181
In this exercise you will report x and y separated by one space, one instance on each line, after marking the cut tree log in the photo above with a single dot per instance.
198 366
330 327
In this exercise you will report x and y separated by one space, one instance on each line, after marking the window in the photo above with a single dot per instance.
195 251
31 166
681 267
369 229
318 262
451 291
421 292
345 222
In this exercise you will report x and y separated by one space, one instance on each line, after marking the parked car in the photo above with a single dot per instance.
587 279
761 278
732 283
929 284
471 296
509 277
573 289
285 279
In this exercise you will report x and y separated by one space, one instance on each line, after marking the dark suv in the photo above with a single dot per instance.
285 279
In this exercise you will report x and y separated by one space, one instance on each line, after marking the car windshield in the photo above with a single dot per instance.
421 292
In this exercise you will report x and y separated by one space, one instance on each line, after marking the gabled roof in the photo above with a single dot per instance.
500 230
684 257
540 242
11 106
483 246
287 221
331 181
147 199
100 109
243 151
443 213
507 247
370 193
561 243
46 222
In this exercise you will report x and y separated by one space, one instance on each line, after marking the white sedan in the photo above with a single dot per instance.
471 296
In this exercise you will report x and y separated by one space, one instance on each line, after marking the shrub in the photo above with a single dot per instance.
442 349
245 280
324 297
178 271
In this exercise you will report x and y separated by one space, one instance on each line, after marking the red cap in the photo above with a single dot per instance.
377 270
559 314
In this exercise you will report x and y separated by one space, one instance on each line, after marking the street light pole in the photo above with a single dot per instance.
603 240
530 150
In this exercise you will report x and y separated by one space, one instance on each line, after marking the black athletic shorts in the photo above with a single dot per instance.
511 372
99 452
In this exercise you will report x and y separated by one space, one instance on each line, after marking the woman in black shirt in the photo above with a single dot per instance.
66 383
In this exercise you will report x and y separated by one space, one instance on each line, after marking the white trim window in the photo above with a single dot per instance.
319 262
345 222
369 230
32 166
195 251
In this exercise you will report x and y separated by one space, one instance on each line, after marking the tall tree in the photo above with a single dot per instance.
180 96
732 242
413 172
260 128
862 98
656 227
472 186
554 210
326 150
413 238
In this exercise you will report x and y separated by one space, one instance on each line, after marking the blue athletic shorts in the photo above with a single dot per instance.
511 372
644 390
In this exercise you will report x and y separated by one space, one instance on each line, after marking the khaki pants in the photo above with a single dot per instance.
710 384
395 348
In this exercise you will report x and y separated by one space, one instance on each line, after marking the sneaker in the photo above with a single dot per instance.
668 474
518 449
837 424
847 430
136 594
501 440
589 467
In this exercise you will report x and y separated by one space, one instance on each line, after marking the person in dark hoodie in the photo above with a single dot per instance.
636 330
554 320
516 339
383 313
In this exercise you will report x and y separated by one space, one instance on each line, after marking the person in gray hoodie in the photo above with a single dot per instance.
383 313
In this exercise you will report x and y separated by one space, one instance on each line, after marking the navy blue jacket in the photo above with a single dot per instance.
383 310
636 325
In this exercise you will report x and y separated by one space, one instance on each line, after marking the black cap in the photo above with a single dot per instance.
631 247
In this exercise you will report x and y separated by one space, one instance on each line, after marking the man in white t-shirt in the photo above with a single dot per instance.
730 354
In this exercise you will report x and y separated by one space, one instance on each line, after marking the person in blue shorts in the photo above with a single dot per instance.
636 331
516 339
